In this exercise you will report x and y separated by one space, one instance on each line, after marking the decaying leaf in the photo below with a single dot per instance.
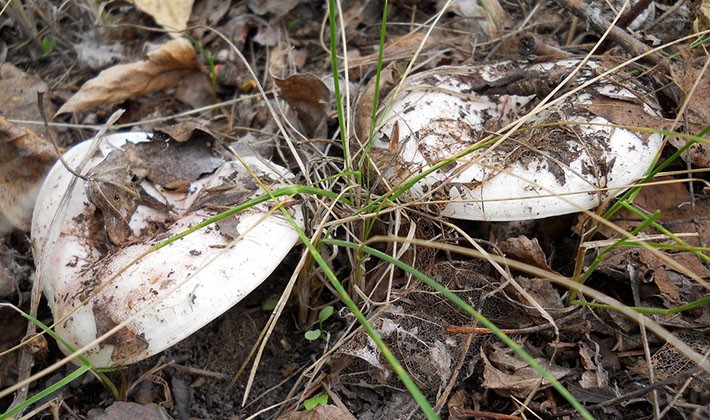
130 410
486 15
525 250
163 69
398 48
114 190
697 111
679 212
321 412
25 158
702 19
507 374
170 14
655 278
277 8
18 94
308 97
175 164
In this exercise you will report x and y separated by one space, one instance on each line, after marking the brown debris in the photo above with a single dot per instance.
25 159
163 69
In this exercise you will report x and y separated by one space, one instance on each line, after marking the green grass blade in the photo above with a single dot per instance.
336 82
471 311
50 389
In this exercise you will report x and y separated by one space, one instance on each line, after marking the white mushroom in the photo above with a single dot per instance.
167 294
562 161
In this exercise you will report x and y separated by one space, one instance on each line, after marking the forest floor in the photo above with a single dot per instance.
94 58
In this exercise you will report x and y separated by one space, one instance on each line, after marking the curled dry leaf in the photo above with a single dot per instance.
170 14
25 158
163 69
93 285
308 97
569 157
507 374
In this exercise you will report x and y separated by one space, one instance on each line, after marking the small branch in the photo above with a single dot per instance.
588 13
628 17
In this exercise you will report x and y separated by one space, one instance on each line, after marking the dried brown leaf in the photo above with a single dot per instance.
525 250
25 158
680 213
18 94
114 190
697 111
308 97
321 412
277 8
174 164
163 69
399 48
507 374
702 19
170 14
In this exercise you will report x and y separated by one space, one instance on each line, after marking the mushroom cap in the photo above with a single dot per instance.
567 158
169 293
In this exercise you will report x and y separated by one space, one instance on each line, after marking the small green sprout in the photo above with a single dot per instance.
314 402
48 44
325 313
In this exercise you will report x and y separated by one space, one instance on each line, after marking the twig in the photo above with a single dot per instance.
584 11
625 20
639 392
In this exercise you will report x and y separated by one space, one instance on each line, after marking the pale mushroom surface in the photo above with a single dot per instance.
170 293
565 159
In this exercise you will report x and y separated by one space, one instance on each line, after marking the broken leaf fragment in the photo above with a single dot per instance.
152 300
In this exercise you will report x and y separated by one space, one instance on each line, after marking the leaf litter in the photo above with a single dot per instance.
597 353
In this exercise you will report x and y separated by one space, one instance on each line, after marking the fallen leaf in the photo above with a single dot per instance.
399 48
670 286
321 412
507 374
308 97
525 250
172 164
702 20
130 410
195 89
163 69
697 111
278 8
489 15
170 14
18 94
679 212
114 190
96 55
25 159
